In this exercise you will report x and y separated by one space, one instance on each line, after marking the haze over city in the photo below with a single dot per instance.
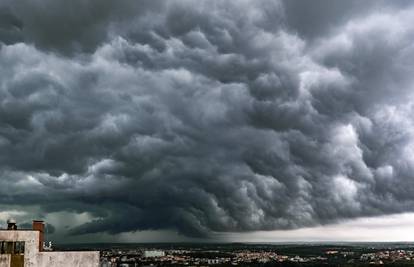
208 120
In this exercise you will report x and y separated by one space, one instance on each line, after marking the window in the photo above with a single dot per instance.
10 247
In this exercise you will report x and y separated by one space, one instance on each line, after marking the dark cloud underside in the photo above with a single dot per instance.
207 116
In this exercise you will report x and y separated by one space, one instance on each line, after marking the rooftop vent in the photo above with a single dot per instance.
11 224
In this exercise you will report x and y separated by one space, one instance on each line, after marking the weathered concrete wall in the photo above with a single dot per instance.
4 260
31 239
34 258
66 259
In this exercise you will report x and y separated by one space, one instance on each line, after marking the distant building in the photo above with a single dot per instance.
24 248
153 253
213 261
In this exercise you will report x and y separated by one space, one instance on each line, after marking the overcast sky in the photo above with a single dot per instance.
240 120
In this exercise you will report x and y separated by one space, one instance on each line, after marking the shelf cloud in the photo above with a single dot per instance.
207 116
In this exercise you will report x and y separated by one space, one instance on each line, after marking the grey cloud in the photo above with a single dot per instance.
209 118
314 19
49 228
10 26
78 26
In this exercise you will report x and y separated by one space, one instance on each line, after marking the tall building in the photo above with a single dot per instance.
24 248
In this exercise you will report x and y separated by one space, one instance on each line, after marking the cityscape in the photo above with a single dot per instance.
21 247
259 255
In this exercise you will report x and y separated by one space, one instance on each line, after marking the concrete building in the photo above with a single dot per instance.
24 248
153 253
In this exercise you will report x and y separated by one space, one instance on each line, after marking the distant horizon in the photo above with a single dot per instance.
246 243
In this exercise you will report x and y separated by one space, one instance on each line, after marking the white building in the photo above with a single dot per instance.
24 248
153 253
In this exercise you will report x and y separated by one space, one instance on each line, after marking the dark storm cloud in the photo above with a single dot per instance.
219 116
312 19
49 228
70 27
10 26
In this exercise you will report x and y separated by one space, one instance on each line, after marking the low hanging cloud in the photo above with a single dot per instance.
216 117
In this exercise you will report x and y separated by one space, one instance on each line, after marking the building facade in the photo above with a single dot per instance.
24 248
153 253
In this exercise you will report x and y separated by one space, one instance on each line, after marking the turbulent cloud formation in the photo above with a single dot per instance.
214 116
